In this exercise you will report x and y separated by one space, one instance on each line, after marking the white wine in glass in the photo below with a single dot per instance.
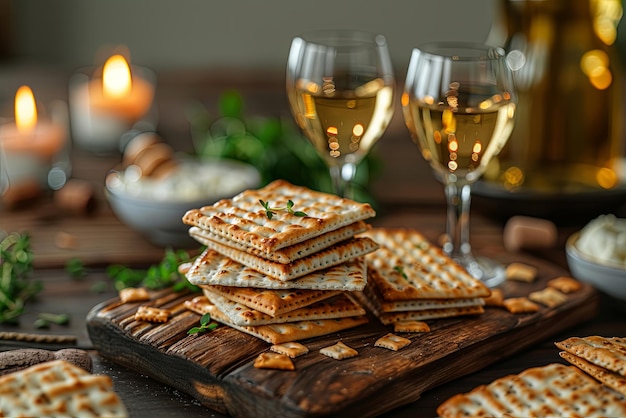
459 105
340 85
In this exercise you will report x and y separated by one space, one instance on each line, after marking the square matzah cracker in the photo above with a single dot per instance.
407 266
554 390
609 378
272 301
607 352
288 254
328 257
340 306
243 219
212 268
58 388
286 332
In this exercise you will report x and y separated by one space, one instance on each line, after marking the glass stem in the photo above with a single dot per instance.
457 244
342 176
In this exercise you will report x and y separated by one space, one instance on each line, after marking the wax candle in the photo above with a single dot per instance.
30 145
108 102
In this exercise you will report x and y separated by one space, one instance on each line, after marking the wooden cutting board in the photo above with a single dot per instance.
217 368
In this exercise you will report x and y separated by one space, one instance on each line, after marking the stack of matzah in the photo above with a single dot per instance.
412 280
278 275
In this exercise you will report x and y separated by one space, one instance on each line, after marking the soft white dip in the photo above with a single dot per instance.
192 180
604 238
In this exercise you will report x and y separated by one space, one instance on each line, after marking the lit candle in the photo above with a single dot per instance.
108 103
30 145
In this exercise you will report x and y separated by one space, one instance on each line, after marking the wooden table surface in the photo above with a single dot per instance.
406 190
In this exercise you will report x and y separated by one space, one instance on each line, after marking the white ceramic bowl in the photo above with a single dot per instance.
607 277
155 209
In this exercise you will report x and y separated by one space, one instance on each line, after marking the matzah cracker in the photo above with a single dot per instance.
293 331
152 314
292 349
607 352
407 266
58 388
411 326
340 306
392 342
565 284
272 301
243 219
607 377
274 361
329 257
521 272
212 268
134 294
393 317
288 254
339 351
551 390
495 299
520 305
548 296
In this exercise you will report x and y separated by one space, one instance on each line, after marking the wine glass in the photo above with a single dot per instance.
340 85
459 105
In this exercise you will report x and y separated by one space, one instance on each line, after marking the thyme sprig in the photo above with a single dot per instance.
16 264
270 211
205 325
400 270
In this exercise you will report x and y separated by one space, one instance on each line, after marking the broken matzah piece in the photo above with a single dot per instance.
212 268
411 326
288 254
520 305
551 390
292 349
389 318
243 218
339 351
607 377
606 352
134 294
326 258
271 301
152 314
340 306
278 333
548 296
392 342
274 361
565 284
58 388
407 266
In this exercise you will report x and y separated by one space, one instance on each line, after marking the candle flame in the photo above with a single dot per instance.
116 78
25 109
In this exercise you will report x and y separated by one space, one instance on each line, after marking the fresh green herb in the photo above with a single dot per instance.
44 319
16 264
205 325
159 276
270 212
400 270
75 268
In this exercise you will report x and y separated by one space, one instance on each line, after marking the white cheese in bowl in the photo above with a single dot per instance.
604 239
191 181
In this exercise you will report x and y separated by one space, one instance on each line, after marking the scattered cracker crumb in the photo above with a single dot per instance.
339 351
495 299
292 349
520 305
411 326
274 361
392 342
151 314
565 284
134 294
521 272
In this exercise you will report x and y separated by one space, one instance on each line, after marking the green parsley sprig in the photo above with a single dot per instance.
400 270
205 325
270 211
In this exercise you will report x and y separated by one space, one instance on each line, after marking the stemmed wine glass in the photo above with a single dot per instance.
459 105
340 85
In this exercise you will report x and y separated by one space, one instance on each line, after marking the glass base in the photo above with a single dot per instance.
488 271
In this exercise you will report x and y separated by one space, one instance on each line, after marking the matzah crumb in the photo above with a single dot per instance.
151 314
292 349
392 342
339 351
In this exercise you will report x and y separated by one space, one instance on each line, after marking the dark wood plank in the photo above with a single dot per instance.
217 368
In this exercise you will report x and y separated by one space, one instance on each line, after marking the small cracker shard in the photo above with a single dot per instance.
520 305
495 299
151 314
548 296
521 272
339 351
273 361
392 342
292 349
411 326
565 284
133 294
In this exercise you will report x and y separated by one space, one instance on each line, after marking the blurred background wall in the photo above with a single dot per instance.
174 34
